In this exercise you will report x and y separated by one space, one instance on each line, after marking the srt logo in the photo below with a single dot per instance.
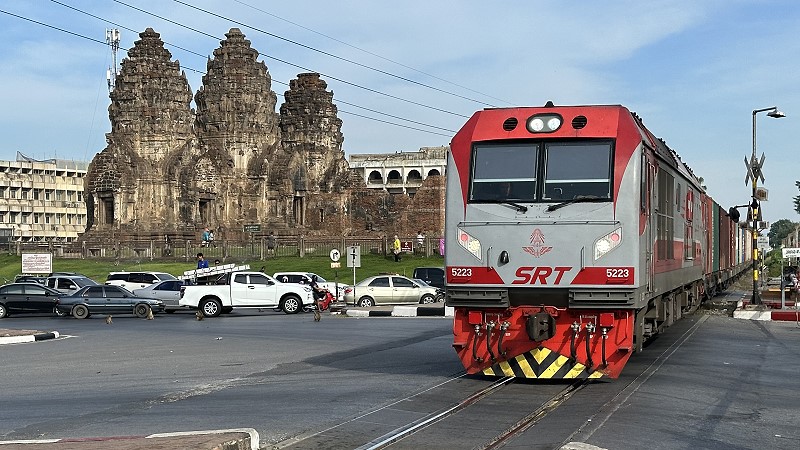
537 247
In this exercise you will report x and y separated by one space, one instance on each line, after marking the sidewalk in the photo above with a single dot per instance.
237 439
12 336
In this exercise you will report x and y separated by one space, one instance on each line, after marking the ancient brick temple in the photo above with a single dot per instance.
168 169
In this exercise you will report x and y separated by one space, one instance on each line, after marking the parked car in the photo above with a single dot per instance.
383 289
305 278
136 280
68 284
27 298
168 291
106 299
439 292
29 279
432 275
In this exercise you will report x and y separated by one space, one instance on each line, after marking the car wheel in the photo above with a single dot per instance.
80 312
211 308
59 313
3 311
291 304
366 302
141 310
427 298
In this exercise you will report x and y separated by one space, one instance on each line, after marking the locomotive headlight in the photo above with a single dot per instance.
544 123
535 125
607 243
471 244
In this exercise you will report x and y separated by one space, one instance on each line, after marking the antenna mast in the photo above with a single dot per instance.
112 39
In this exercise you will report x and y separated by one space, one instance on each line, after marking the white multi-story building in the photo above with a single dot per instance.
401 172
42 201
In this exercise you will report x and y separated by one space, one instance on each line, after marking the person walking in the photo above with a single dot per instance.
396 248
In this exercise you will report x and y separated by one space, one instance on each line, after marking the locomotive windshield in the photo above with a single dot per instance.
567 170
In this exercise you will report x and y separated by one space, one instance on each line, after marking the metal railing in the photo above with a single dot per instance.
261 248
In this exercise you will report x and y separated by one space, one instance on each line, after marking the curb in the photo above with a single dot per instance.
787 315
28 338
231 439
404 311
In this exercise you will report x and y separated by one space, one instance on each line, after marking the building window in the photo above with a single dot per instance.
80 196
2 217
47 195
25 194
37 218
47 219
59 195
36 194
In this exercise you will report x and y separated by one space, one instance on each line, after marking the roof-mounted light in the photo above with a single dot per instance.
544 123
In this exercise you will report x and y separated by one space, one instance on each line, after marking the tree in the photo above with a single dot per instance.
780 229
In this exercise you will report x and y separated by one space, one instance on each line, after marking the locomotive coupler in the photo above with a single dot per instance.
475 356
573 353
503 327
489 327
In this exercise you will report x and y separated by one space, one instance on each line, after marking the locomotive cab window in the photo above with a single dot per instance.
577 170
504 172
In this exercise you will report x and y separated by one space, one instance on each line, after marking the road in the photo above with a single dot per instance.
710 381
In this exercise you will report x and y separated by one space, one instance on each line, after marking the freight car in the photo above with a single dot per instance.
574 235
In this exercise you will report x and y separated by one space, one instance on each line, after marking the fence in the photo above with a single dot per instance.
303 247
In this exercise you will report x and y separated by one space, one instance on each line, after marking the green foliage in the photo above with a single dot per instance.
779 230
98 269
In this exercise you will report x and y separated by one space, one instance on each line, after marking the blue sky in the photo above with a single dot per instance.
694 70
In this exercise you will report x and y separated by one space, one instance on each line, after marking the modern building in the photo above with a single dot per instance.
42 201
401 172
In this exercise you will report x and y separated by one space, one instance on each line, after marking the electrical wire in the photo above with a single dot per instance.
323 52
329 76
191 69
370 53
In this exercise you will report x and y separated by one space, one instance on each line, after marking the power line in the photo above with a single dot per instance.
369 52
323 52
201 72
329 76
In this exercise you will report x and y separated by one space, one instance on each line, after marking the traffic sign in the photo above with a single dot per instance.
791 252
354 256
335 255
252 228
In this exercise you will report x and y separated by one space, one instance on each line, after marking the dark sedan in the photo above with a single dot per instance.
106 299
25 298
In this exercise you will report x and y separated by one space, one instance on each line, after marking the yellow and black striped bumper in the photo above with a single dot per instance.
541 363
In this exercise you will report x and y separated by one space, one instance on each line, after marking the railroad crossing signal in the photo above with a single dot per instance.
754 169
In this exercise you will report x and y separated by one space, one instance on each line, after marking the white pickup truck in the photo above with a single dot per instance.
246 290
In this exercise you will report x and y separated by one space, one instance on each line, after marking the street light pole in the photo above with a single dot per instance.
754 173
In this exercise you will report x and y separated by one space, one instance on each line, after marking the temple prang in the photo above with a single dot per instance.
170 170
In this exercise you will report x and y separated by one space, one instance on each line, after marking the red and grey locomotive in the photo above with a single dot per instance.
573 235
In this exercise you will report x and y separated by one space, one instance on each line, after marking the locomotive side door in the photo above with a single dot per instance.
649 202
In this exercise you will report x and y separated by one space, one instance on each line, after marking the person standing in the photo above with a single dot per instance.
271 244
420 242
202 263
204 238
396 248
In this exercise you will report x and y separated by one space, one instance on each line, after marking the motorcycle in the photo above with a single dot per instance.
322 302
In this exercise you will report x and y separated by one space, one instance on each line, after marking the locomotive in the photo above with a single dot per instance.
573 236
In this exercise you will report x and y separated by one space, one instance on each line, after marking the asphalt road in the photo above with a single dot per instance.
711 381
282 375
